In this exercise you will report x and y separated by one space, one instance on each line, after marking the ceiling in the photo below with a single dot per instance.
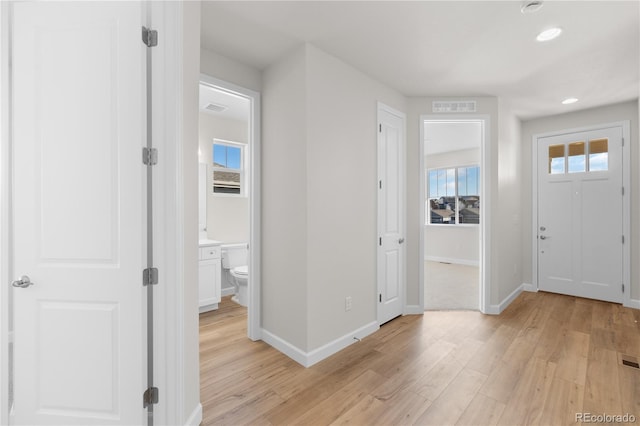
445 136
449 48
237 107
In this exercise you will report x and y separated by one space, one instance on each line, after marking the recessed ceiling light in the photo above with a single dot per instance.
570 101
549 34
531 7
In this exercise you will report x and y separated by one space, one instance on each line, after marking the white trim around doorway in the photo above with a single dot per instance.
254 328
485 219
626 203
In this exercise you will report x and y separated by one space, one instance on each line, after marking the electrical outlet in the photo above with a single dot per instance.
348 302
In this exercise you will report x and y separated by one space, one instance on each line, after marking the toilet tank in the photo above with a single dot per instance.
234 255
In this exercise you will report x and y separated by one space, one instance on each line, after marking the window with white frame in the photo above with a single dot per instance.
453 195
229 168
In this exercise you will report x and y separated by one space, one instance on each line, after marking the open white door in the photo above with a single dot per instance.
580 214
391 213
79 213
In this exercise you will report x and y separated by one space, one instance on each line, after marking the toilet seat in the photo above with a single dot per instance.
240 270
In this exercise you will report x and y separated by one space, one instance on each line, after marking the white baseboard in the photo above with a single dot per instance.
207 308
340 343
452 260
228 291
497 309
633 303
196 417
529 287
413 310
293 352
307 359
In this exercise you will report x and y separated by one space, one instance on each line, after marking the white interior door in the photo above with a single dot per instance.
391 214
79 213
580 214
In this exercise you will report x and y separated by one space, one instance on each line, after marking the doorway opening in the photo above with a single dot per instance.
228 199
454 199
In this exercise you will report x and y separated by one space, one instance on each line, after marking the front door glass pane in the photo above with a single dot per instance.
599 155
556 159
577 157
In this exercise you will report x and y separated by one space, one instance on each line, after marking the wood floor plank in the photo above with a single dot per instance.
342 400
527 400
629 379
490 354
482 410
602 388
544 359
448 408
560 405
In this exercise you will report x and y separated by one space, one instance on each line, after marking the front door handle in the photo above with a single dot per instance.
543 237
23 282
401 240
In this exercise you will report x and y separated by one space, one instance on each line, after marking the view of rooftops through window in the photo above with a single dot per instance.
227 168
454 195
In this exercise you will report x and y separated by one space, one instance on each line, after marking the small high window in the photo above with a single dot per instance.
556 159
599 155
579 157
228 167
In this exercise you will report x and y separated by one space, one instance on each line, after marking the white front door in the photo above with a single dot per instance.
580 214
391 213
78 213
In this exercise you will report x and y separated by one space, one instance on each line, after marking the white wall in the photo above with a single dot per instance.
589 117
223 68
284 200
189 143
320 120
452 243
341 194
227 216
506 242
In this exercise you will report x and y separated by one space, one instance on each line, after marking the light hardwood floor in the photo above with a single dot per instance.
544 359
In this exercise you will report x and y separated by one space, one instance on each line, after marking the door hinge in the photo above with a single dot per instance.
380 127
149 156
623 239
149 37
623 287
150 397
623 190
380 240
622 141
150 276
380 184
380 297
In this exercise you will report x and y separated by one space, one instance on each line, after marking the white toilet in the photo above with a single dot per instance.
234 266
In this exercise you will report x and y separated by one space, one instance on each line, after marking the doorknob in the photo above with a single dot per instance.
23 282
543 237
401 240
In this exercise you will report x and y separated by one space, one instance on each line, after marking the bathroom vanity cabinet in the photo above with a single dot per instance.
209 275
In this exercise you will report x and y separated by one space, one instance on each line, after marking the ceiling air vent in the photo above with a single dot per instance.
454 106
216 107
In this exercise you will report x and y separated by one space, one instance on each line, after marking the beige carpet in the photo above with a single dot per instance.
450 286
